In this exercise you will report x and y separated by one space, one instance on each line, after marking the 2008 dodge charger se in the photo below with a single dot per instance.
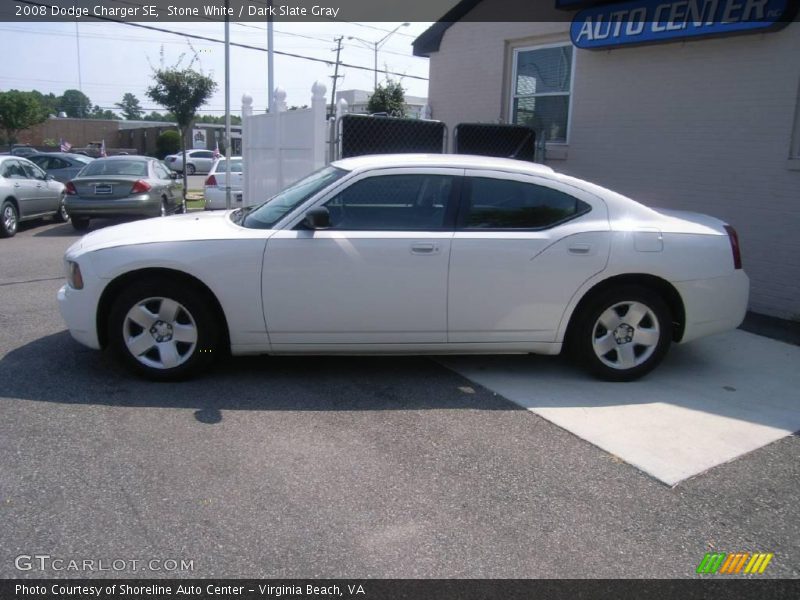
410 254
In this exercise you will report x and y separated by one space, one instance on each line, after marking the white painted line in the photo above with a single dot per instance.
711 401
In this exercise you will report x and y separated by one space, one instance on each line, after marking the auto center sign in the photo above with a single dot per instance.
651 21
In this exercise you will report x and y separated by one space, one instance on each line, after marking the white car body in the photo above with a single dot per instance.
283 290
199 161
214 194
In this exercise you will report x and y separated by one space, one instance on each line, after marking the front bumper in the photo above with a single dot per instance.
714 305
79 317
144 205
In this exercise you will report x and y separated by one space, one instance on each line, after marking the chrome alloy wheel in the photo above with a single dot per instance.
10 219
160 333
625 335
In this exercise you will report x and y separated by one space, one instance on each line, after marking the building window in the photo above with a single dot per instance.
541 90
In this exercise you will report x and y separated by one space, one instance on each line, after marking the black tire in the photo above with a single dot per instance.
61 216
9 219
80 223
190 170
654 327
195 311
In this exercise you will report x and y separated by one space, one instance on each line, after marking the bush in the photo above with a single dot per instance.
169 142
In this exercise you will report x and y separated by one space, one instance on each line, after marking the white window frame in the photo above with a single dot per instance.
513 95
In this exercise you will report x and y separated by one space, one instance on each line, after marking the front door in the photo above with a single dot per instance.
376 277
522 248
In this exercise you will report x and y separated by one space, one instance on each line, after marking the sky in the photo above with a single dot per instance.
117 58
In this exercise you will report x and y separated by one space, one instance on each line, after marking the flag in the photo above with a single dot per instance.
216 151
103 149
65 146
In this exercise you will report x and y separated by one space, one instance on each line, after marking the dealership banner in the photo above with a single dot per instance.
652 21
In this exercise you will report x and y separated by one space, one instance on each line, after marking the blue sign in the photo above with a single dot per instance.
650 21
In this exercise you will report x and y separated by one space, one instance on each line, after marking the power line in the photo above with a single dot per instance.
237 44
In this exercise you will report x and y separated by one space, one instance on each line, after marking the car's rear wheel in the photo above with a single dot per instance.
62 216
9 219
190 170
623 333
164 330
80 223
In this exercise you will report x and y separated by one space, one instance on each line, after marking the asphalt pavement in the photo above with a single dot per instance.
334 467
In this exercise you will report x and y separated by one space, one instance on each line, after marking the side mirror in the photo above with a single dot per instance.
318 218
173 175
49 178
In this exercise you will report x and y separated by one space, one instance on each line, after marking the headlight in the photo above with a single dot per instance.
74 277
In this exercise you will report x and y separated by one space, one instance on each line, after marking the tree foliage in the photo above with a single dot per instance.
389 99
168 142
130 107
75 104
182 91
19 110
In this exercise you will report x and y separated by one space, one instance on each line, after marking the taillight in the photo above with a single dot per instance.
733 237
211 180
70 188
140 187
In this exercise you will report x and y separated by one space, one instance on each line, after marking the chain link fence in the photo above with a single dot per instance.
491 139
358 135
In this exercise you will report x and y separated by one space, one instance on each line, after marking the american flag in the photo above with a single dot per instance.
103 149
216 151
65 146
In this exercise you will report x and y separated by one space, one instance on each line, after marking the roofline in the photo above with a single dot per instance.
430 39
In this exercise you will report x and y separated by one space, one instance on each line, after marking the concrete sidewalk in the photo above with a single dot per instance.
710 402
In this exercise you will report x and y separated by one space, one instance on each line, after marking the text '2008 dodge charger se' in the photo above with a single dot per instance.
410 254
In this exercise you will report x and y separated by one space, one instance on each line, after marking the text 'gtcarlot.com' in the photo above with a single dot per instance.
46 562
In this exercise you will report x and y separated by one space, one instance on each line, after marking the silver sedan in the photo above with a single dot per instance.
123 186
26 193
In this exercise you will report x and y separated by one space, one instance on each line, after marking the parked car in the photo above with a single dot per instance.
410 254
122 186
197 161
214 190
26 193
63 166
23 150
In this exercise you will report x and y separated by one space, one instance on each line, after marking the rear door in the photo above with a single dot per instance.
47 194
169 187
522 247
22 187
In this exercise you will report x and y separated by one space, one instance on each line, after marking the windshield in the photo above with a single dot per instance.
236 166
277 207
137 168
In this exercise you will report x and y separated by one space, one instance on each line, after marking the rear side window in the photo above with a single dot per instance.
506 204
101 167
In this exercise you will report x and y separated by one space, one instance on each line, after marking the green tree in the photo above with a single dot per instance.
389 98
182 91
19 110
130 107
168 142
48 101
99 113
75 103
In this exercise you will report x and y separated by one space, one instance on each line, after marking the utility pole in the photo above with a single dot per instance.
227 107
270 61
335 75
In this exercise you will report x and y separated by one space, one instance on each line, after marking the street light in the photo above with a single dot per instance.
375 46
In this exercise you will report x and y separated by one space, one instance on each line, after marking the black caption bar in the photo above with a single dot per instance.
399 589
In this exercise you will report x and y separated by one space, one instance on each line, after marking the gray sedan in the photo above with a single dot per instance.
63 166
26 192
123 186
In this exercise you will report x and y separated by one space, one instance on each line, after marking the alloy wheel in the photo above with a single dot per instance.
10 219
160 333
625 335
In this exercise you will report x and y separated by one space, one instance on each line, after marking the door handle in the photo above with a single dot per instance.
422 248
580 249
16 185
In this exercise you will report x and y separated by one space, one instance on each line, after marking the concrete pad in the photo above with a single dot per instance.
709 402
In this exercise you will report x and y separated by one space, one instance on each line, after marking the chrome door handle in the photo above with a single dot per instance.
424 248
580 249
16 185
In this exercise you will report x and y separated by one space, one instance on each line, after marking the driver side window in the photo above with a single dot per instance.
414 202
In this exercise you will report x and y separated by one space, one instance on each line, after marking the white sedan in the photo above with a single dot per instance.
409 254
214 192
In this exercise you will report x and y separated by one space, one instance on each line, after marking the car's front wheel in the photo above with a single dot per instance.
163 329
190 170
623 333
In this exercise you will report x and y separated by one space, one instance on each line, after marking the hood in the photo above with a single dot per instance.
211 225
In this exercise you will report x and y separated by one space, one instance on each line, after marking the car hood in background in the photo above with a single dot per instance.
194 226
